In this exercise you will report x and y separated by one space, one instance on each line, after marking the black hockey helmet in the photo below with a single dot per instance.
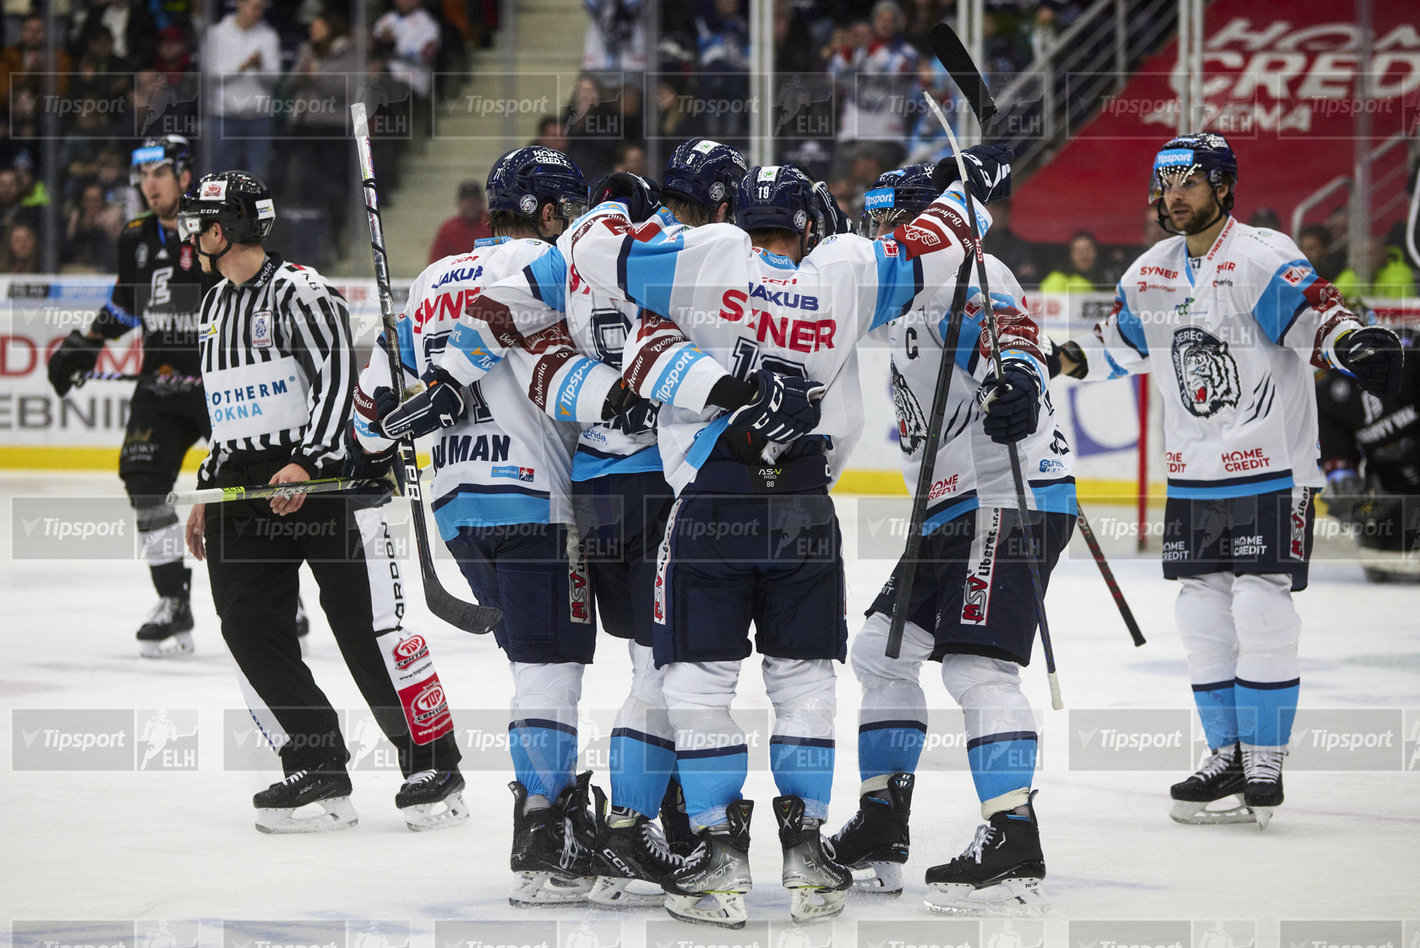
525 179
165 149
237 200
1208 152
704 172
900 194
775 196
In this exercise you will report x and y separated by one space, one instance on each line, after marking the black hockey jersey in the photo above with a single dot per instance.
1385 432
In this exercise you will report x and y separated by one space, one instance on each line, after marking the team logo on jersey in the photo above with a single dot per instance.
261 330
1206 371
140 255
185 257
911 422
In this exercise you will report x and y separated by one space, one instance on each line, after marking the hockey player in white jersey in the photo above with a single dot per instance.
972 606
501 500
1231 320
749 329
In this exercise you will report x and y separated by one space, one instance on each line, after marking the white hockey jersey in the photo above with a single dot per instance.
972 470
715 305
1231 339
507 461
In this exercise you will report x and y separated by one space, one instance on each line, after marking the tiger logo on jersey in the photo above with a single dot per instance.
911 423
1206 371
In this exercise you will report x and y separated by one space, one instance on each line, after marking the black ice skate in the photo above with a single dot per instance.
680 837
550 864
630 857
1263 792
167 632
817 885
710 888
432 799
1219 778
1000 873
874 842
277 805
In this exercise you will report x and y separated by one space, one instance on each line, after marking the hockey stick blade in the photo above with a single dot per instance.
469 616
955 59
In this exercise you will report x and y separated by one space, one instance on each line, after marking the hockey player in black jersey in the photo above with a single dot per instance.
159 288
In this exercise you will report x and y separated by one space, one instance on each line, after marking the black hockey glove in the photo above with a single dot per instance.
1072 351
1345 490
988 168
784 407
629 412
357 463
640 195
76 355
1013 408
1373 354
441 405
829 216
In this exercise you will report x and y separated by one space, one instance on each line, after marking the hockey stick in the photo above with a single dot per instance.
359 486
468 616
956 60
959 65
173 380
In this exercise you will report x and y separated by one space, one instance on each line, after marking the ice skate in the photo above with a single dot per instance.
1000 873
550 866
710 888
676 822
278 805
630 858
873 844
817 885
1263 792
1219 780
432 799
167 632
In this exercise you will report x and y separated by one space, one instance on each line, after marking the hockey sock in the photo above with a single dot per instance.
642 742
801 749
1001 740
172 580
712 757
1204 615
542 731
1217 709
1268 672
892 717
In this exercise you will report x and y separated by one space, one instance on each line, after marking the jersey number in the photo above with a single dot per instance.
478 412
160 293
748 359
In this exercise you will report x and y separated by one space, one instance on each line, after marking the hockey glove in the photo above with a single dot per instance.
76 355
1013 407
1373 354
784 407
626 411
357 462
1345 489
988 171
441 405
1070 350
640 195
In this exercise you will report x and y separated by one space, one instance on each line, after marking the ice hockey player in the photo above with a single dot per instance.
502 493
278 371
758 382
1370 453
972 604
1238 319
159 288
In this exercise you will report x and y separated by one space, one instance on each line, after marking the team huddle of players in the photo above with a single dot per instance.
624 372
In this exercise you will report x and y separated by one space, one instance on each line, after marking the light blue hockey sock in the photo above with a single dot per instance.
889 747
1217 709
544 752
641 766
803 768
1269 707
711 780
1002 762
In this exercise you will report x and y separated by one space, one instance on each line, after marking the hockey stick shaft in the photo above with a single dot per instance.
465 615
142 377
1093 543
989 317
321 485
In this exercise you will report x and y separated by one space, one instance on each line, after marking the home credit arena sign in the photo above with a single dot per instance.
1281 85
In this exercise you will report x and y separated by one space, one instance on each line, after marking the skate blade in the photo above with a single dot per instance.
812 904
1264 815
544 888
722 909
449 811
174 646
878 878
1195 813
335 814
620 892
1015 898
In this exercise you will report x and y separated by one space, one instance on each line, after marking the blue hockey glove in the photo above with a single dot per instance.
988 170
1012 407
784 407
441 405
640 195
1373 354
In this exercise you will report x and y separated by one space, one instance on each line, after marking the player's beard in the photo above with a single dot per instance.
1197 221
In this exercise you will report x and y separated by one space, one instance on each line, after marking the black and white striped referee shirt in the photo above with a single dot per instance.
278 368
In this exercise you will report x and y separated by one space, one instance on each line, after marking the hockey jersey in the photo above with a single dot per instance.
1230 338
507 461
716 305
971 469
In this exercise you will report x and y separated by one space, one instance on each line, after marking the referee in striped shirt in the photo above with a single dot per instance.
278 369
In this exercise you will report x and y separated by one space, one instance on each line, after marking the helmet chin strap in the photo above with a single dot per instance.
212 258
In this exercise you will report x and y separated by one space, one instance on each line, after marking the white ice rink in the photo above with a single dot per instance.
144 845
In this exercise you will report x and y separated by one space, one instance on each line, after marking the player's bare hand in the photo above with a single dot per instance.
292 473
196 521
